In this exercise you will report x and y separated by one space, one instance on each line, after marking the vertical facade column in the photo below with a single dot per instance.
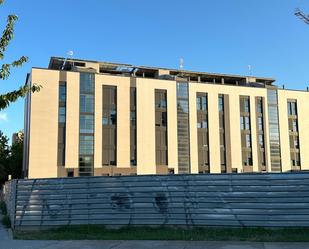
72 121
227 132
183 132
255 165
274 132
123 124
145 107
98 123
86 124
234 124
214 142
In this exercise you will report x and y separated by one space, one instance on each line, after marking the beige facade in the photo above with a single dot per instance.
43 110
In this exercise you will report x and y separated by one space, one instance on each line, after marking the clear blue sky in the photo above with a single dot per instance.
222 36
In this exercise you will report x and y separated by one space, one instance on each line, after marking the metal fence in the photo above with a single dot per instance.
238 200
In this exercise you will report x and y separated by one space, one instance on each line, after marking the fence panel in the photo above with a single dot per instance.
241 200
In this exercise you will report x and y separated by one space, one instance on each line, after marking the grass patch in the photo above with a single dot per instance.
96 232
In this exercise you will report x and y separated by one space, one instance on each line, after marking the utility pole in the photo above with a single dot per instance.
302 16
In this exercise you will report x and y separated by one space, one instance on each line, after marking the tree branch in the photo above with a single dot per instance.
7 34
6 99
6 68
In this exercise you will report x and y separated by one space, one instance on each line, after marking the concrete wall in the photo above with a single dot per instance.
44 125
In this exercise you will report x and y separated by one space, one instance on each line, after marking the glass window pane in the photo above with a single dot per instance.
242 123
246 103
62 93
221 103
248 140
113 117
62 110
164 119
204 103
86 123
61 119
86 83
86 103
198 103
247 123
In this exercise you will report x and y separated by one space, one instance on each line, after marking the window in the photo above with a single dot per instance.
61 124
105 120
87 83
164 119
259 105
70 173
161 127
201 103
293 133
86 123
246 105
242 123
161 99
260 123
248 140
133 118
296 143
247 123
245 127
86 103
221 102
62 114
292 108
260 134
182 106
86 145
62 92
202 133
261 140
204 103
113 117
86 160
163 104
109 125
295 127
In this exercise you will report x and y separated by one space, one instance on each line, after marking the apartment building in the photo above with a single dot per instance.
97 118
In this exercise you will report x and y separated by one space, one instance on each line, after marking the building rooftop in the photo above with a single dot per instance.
71 64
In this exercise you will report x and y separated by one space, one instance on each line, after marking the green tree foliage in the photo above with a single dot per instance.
15 161
11 158
5 69
4 157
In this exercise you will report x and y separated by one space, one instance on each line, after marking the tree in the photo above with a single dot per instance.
5 69
15 160
4 157
11 158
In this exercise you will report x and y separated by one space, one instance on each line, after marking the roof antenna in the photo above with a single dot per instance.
181 63
250 70
69 55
